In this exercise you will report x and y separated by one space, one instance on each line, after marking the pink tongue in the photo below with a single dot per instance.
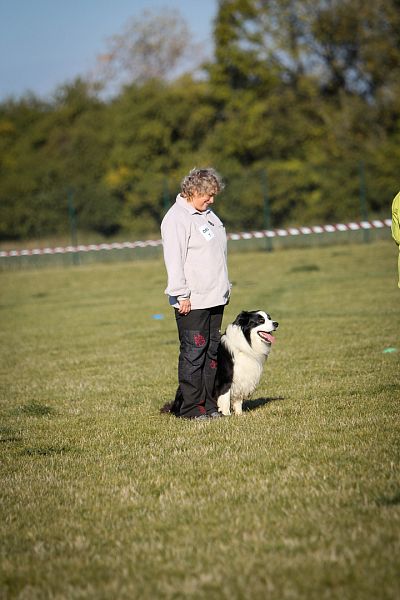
267 336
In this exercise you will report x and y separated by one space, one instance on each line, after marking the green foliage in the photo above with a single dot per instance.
304 91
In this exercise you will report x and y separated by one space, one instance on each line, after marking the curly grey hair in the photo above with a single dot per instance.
201 181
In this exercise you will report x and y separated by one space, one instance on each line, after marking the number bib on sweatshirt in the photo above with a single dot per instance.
206 232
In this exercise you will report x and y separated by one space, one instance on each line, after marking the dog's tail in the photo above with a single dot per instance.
175 406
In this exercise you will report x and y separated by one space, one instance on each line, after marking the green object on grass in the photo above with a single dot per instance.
389 350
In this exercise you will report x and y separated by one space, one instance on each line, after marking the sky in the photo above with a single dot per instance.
47 43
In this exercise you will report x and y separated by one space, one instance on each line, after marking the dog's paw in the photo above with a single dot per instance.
224 404
238 408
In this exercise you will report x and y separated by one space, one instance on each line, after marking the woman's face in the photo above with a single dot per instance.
201 201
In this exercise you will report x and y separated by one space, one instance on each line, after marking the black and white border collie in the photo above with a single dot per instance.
243 350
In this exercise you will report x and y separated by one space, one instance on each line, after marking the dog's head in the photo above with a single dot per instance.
257 326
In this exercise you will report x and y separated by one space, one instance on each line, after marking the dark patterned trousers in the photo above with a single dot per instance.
199 336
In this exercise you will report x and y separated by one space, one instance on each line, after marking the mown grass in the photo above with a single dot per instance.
102 497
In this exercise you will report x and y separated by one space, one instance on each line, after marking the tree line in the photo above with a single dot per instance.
299 104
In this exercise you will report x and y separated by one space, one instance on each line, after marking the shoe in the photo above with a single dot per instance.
215 415
202 418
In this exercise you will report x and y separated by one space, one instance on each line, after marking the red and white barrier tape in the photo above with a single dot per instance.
291 231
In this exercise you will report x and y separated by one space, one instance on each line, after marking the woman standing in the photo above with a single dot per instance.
194 243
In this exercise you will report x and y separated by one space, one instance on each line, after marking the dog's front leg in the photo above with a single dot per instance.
224 403
237 407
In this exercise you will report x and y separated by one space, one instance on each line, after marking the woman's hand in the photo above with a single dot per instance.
184 307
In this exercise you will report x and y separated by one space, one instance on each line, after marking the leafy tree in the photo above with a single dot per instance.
347 45
305 92
156 130
23 193
54 148
357 45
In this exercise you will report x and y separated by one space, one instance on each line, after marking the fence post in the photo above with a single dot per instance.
72 224
267 211
363 198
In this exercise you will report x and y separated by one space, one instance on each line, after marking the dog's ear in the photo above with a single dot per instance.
241 319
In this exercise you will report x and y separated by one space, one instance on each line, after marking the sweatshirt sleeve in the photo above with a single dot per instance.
396 219
175 235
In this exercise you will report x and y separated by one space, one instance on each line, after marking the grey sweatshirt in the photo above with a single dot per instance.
194 245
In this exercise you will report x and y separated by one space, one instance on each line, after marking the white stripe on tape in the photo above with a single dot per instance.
243 235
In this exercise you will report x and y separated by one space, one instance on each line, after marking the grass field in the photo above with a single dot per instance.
102 497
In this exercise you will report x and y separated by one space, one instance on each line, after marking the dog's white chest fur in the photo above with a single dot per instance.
247 374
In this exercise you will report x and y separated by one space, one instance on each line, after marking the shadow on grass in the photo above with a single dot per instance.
46 451
9 435
35 410
304 269
258 402
389 500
